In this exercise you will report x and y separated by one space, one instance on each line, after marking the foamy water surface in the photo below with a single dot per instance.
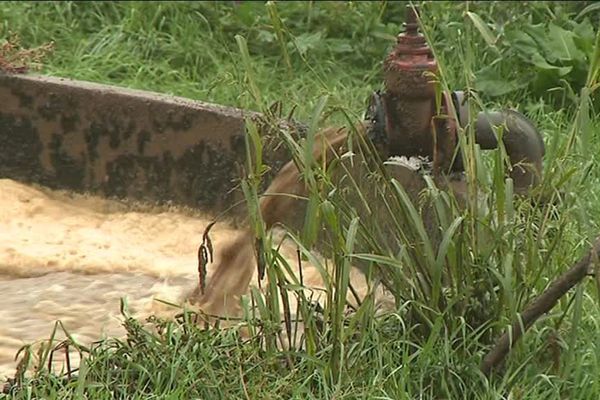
72 258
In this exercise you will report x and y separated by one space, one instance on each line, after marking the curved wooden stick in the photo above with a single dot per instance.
538 307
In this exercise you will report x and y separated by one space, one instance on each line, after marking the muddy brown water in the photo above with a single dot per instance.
72 258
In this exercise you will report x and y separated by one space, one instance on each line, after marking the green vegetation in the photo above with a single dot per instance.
321 61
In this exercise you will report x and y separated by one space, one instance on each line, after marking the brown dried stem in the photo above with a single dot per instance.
538 307
205 256
16 60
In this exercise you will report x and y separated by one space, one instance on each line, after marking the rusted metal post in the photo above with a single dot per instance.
408 122
408 119
410 99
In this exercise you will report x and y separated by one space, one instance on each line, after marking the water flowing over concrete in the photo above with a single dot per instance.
72 254
72 257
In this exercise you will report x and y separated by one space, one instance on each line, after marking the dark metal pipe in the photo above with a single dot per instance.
522 141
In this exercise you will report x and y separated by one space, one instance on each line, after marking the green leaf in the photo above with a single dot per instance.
487 34
246 13
416 222
496 87
541 63
441 257
266 36
446 241
311 221
591 8
522 43
339 46
546 79
561 45
584 30
312 131
308 41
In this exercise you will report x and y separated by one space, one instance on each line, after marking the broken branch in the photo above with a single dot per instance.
538 307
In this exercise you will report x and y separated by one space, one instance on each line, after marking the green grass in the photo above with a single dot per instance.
541 58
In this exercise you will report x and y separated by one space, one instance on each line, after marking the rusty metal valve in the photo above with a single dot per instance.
404 120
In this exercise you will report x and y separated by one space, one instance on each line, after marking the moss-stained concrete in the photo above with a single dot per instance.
124 143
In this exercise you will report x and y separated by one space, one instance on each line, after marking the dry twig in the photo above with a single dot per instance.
538 307
16 60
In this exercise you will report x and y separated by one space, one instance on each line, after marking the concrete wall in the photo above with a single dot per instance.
122 143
